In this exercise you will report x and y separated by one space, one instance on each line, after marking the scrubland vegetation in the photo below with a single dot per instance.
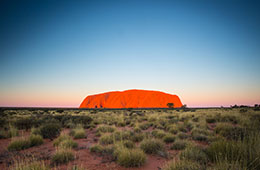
186 139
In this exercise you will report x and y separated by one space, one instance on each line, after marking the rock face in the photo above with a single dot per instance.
131 99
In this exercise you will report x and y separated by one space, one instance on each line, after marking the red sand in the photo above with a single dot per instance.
131 99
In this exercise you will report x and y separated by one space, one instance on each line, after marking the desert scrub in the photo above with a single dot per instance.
229 131
179 145
105 129
144 126
97 148
65 141
158 133
29 165
169 138
78 132
182 135
152 146
182 165
106 139
19 144
35 131
137 137
128 144
50 130
200 134
246 151
194 153
130 157
12 132
62 156
35 140
225 165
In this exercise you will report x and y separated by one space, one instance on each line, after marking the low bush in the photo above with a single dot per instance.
229 131
158 133
182 135
130 157
97 148
65 141
106 139
105 129
19 144
179 145
35 140
169 138
62 156
194 153
137 137
78 132
29 165
152 146
144 126
50 131
182 165
128 144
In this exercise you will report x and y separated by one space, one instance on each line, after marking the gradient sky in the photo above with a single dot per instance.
55 53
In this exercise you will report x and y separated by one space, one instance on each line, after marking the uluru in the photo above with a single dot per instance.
131 99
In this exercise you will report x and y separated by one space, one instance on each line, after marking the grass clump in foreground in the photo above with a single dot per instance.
246 152
26 165
105 129
179 145
65 141
62 156
50 130
182 165
106 139
19 144
24 143
78 132
129 157
194 153
152 146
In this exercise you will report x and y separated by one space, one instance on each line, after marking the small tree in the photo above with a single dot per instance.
170 105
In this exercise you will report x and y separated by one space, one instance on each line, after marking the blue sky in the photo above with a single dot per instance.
55 53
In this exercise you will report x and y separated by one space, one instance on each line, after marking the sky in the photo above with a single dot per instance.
55 53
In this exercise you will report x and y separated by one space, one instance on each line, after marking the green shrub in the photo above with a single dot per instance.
13 132
35 140
130 158
194 153
50 131
105 129
229 131
97 148
128 144
78 132
24 122
225 165
61 138
144 126
68 143
19 144
179 145
211 120
137 137
106 139
169 138
158 133
152 146
62 156
65 141
182 135
35 131
182 165
32 165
